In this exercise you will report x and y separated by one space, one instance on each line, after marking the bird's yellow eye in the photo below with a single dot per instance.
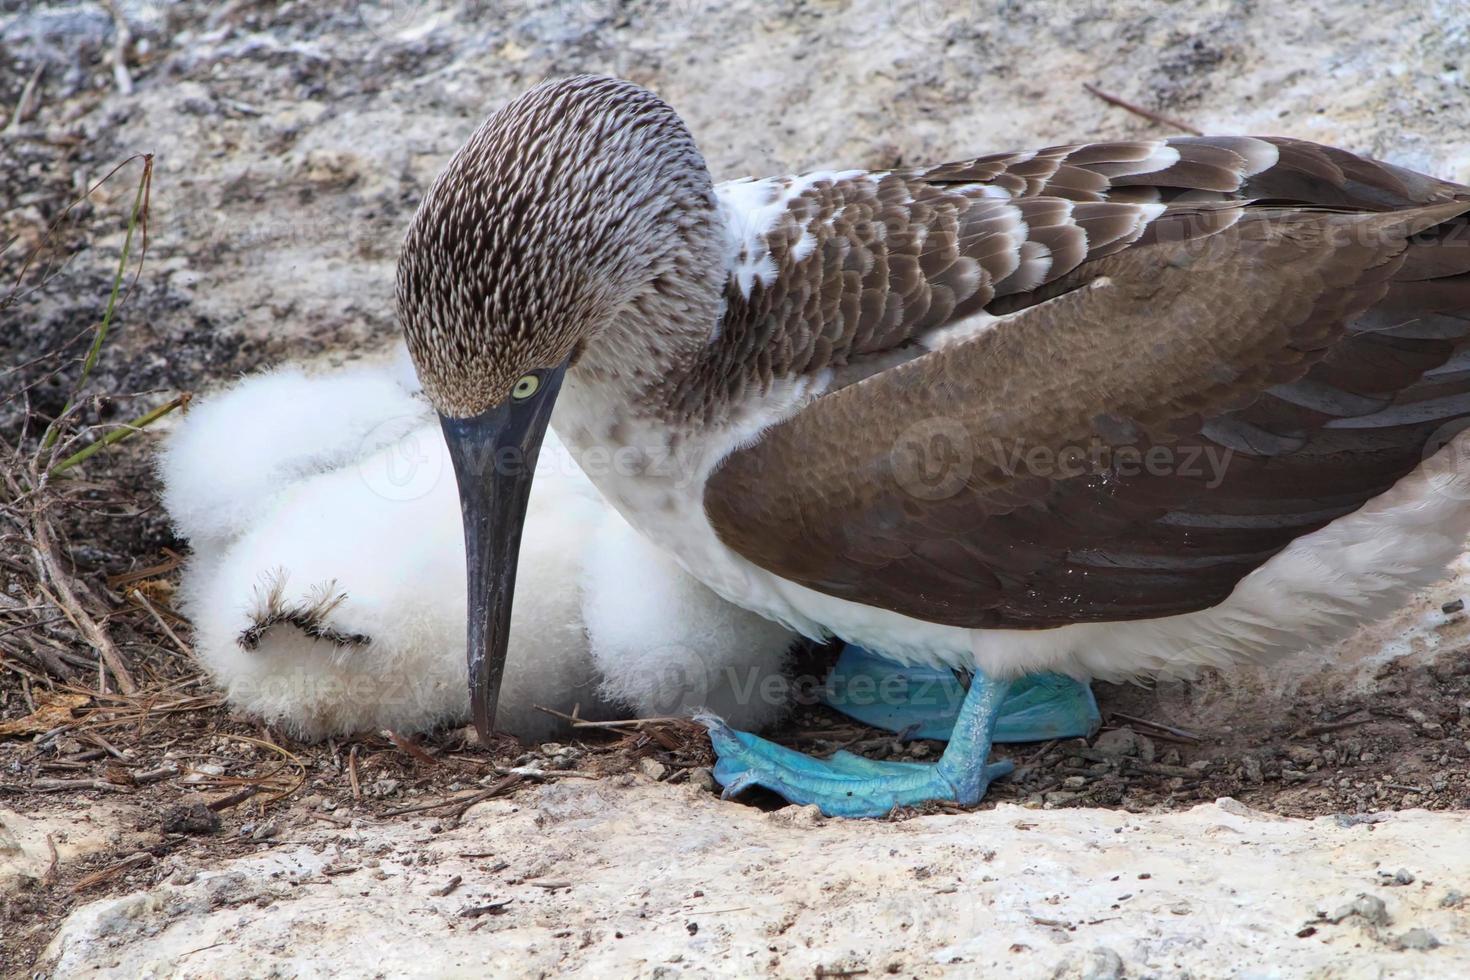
525 387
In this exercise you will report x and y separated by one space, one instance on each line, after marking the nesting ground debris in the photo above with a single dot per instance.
172 748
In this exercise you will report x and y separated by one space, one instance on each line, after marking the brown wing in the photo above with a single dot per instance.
1057 466
869 265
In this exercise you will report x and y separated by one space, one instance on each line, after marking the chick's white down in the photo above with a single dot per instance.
327 581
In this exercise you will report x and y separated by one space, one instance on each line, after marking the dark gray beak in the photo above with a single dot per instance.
494 455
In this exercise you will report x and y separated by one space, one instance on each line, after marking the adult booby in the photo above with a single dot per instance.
1110 409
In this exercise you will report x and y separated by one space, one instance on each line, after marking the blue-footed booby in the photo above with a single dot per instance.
1109 409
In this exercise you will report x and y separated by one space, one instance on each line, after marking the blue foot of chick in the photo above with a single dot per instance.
923 702
917 703
846 785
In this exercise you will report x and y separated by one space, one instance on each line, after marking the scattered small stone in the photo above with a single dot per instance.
1303 755
652 768
1369 908
1125 742
1398 878
565 757
193 818
1357 819
1453 899
1417 939
702 778
475 911
1450 608
797 816
1098 963
1074 782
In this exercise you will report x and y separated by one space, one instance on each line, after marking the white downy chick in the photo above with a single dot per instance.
327 586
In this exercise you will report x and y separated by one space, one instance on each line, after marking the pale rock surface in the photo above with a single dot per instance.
658 881
87 828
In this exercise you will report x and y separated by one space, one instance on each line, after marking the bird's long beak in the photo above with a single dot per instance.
494 455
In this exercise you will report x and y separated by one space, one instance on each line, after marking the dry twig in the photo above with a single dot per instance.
1139 110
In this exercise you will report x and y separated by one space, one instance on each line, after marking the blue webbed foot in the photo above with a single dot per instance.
923 702
847 785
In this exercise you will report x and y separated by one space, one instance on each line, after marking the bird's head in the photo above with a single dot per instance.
575 201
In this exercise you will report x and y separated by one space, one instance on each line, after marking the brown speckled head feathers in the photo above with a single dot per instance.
565 205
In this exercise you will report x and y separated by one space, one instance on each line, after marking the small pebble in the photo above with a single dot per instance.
1420 939
702 778
1367 907
1125 742
196 818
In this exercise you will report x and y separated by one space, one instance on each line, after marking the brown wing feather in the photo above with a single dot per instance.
1306 344
899 254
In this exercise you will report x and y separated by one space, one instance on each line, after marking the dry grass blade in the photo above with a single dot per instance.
460 805
139 217
270 782
124 431
66 597
409 747
112 870
1139 110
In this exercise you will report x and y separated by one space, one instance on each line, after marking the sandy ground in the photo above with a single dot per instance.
292 141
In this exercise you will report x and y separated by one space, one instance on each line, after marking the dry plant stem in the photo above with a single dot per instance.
138 214
24 105
1139 110
15 287
122 39
91 631
408 747
576 722
352 773
97 877
168 631
125 431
